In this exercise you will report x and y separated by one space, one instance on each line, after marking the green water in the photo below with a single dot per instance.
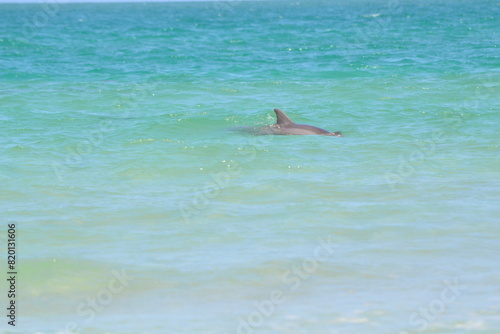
140 209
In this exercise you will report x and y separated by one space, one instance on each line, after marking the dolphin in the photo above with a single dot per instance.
285 126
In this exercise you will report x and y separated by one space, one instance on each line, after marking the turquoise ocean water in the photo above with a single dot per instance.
139 209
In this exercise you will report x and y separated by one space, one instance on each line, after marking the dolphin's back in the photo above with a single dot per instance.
302 129
285 126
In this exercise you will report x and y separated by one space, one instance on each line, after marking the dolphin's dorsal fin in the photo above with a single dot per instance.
282 118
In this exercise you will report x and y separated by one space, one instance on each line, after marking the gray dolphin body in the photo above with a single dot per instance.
285 126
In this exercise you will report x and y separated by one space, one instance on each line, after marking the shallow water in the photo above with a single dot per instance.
140 210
